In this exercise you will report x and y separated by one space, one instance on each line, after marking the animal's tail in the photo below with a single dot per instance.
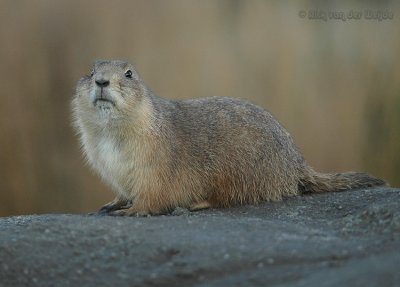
325 182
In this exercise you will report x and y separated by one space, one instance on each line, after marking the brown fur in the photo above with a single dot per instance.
158 154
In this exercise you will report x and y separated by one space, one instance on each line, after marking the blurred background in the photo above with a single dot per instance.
334 84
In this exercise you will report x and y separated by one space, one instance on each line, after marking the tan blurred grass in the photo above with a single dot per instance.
334 85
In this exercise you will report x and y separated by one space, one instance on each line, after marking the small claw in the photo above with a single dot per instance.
128 205
129 212
140 214
117 213
103 210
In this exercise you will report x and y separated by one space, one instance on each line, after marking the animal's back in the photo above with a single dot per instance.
244 154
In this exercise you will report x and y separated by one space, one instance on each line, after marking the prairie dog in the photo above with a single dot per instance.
158 154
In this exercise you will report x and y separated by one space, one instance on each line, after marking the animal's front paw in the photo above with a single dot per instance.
115 205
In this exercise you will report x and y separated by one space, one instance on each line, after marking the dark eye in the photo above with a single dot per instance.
128 74
92 73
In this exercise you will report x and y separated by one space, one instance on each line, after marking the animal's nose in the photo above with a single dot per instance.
102 83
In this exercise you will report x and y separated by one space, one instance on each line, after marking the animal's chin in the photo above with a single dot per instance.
104 107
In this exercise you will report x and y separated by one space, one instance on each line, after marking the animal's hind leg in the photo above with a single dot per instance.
200 205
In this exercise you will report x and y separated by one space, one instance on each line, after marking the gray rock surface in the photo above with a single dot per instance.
336 239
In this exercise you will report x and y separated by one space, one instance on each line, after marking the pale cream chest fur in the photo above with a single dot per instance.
113 163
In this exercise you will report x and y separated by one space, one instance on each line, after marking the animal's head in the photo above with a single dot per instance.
112 91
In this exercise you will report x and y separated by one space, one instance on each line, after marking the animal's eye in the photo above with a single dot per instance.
128 74
92 72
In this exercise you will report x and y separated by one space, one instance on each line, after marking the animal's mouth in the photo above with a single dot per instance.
103 100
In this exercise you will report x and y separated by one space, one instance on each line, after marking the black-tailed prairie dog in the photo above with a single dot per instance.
158 154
